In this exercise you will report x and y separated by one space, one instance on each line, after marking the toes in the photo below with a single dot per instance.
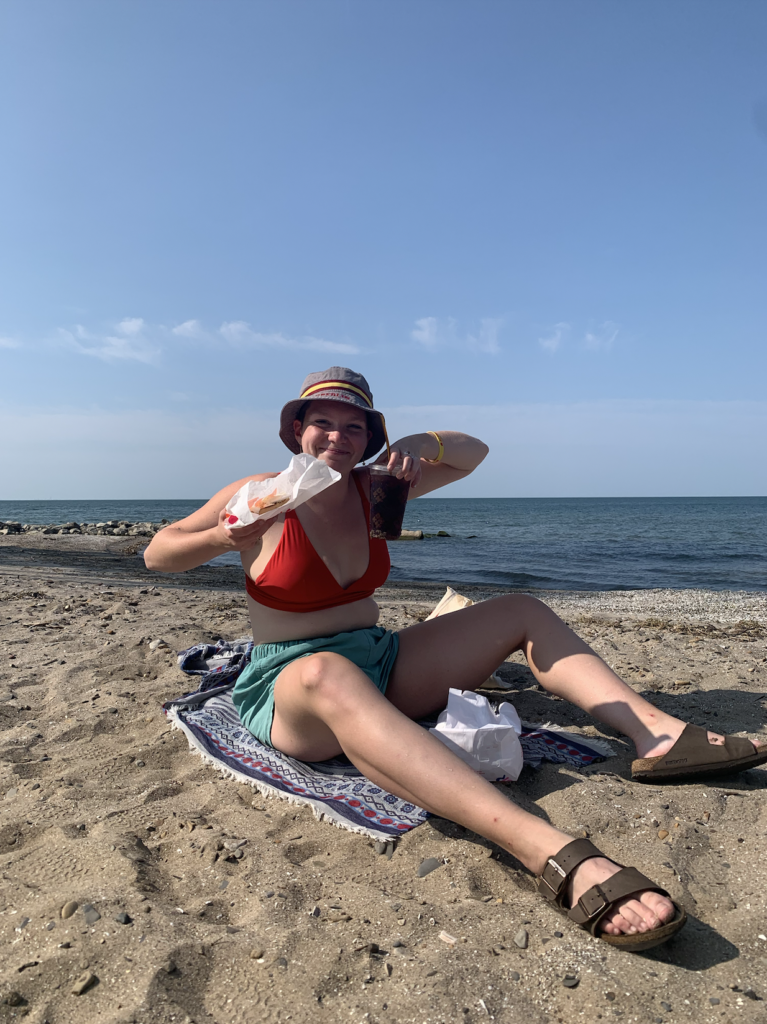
638 916
659 907
621 922
635 915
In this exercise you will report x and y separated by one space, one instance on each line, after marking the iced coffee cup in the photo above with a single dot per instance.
388 497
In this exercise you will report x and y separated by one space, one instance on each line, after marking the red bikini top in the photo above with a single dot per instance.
295 579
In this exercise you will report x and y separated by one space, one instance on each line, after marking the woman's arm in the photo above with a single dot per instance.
204 534
463 453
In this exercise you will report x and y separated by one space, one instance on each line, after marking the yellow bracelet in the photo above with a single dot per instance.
439 457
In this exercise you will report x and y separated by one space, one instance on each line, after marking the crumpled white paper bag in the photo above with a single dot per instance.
486 741
304 477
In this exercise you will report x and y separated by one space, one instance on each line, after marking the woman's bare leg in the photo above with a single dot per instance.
462 648
325 704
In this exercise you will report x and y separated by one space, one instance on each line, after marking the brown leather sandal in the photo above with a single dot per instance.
693 757
599 899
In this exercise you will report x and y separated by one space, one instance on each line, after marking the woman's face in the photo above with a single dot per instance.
334 432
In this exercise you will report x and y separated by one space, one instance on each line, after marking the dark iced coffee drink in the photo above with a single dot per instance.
388 497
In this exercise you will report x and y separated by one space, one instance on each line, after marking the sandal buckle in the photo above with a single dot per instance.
590 914
560 878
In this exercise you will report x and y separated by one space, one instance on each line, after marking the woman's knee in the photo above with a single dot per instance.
523 607
327 676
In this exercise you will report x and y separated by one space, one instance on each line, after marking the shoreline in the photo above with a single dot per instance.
109 560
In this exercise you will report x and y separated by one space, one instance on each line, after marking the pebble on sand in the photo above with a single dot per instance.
91 914
68 909
83 983
427 866
521 938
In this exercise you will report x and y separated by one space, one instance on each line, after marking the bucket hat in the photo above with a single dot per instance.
338 384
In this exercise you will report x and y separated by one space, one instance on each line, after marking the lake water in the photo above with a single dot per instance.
546 543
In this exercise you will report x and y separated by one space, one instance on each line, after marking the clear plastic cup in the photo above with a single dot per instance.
388 497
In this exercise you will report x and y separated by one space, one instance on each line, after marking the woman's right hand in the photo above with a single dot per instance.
243 537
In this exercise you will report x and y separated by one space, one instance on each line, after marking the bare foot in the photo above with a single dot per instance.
628 917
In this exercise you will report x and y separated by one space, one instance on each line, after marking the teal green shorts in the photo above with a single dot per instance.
373 650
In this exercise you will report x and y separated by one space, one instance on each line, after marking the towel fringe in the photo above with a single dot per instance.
320 811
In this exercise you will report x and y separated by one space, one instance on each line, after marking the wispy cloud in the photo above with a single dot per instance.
554 338
238 332
190 329
486 340
130 326
597 339
133 339
425 332
602 337
433 332
9 343
128 342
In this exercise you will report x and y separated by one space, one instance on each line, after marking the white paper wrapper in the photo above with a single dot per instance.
486 741
304 477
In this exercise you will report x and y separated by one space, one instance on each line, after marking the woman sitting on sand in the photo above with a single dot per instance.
324 678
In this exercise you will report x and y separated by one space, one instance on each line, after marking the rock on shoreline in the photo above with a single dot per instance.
125 528
110 528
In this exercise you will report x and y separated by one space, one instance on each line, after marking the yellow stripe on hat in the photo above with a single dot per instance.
334 385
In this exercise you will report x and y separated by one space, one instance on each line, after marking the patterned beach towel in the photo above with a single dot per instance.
335 789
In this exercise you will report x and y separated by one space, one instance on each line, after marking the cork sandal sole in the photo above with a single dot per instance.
692 757
647 940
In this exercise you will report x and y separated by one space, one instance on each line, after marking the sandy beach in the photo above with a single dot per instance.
103 806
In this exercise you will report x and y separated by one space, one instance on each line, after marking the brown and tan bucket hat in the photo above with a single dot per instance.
338 384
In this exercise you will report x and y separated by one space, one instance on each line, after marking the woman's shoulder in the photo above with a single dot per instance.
208 513
253 476
232 488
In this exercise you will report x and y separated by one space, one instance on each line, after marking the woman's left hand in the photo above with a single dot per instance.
405 464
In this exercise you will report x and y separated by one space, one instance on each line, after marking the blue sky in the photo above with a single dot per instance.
542 222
